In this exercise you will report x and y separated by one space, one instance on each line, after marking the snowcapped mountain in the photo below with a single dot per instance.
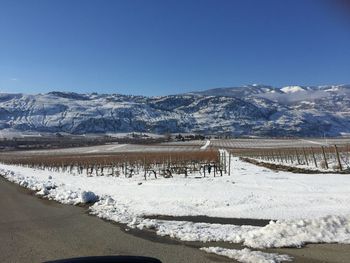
292 89
249 110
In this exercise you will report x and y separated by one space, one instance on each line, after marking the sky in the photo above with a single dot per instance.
159 47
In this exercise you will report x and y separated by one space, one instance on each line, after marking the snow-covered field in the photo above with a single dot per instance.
116 148
277 143
309 208
194 145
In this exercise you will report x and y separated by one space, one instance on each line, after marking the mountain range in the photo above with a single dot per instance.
252 110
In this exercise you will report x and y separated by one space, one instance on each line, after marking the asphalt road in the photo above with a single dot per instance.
36 230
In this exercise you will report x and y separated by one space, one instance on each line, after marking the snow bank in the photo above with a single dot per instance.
203 232
45 187
296 233
247 256
110 209
283 233
288 233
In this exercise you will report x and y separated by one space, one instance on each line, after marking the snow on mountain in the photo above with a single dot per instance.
292 89
248 90
249 110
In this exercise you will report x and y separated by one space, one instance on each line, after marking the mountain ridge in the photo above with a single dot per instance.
258 110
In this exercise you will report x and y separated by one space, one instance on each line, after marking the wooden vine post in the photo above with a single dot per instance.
307 161
281 156
296 152
313 155
324 157
229 163
225 164
338 158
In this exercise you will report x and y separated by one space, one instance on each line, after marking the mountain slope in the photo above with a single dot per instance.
249 110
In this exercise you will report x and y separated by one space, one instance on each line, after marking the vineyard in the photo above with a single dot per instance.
196 158
266 143
325 158
129 164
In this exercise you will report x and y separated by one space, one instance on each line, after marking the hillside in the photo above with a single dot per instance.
249 110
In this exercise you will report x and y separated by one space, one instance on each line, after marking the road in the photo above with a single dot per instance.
36 230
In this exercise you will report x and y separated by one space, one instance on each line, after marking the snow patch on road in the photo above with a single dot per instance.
296 233
203 232
247 256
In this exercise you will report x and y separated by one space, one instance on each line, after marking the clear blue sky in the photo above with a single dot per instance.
156 47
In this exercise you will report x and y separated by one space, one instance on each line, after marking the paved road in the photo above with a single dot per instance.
35 230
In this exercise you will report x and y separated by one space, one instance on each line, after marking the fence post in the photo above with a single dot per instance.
296 152
324 157
338 158
225 159
313 155
222 161
307 162
291 157
281 156
275 159
229 163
